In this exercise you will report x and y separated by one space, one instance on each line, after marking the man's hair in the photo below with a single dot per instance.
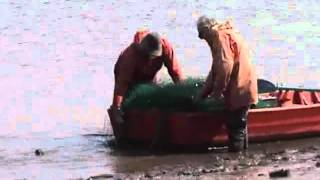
205 22
151 44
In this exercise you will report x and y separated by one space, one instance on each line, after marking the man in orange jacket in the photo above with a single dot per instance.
232 76
140 62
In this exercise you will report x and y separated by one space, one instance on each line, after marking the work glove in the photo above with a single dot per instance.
117 114
197 97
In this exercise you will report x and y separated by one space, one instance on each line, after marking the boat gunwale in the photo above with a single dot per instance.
294 107
297 89
273 109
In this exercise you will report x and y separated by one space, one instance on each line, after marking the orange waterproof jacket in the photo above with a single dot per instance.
132 67
232 74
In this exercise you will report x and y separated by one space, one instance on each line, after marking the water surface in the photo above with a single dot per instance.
57 60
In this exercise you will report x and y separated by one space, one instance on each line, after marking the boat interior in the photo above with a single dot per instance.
285 97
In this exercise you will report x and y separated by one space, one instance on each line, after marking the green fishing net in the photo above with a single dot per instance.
170 97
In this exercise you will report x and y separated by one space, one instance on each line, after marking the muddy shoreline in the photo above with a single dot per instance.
57 61
283 159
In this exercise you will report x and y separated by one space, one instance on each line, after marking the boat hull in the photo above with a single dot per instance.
192 128
297 116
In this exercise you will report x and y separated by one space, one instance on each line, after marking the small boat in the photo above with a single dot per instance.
297 115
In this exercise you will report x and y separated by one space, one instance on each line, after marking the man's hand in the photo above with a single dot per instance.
117 114
197 97
215 95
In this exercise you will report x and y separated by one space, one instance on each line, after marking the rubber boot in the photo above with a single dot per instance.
237 130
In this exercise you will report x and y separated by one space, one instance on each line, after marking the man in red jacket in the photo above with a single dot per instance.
140 62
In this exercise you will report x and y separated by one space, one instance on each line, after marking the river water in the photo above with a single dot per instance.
56 76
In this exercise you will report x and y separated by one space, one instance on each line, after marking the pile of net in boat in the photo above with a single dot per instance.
170 97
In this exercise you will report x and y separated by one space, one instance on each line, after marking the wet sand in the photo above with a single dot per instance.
299 159
56 78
